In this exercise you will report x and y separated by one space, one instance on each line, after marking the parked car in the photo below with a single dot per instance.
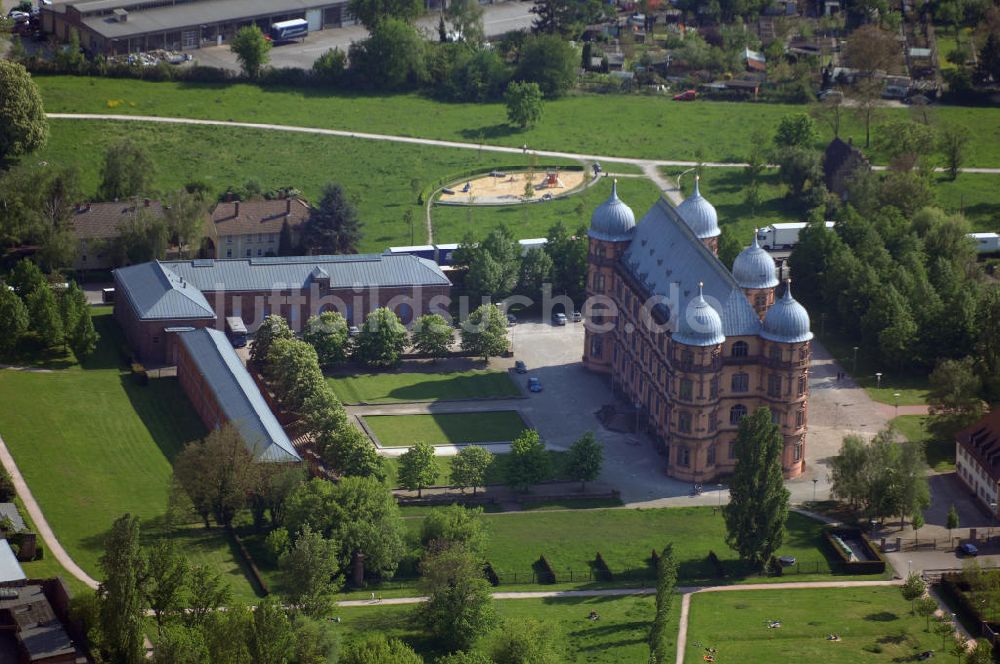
520 367
354 330
967 549
832 95
576 316
558 319
787 561
687 95
511 320
534 385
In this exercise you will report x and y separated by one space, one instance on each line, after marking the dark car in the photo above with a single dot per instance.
520 367
967 549
511 320
534 385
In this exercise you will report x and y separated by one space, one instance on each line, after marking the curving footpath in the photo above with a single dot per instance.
55 548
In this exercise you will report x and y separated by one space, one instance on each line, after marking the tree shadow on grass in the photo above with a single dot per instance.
165 411
489 132
882 616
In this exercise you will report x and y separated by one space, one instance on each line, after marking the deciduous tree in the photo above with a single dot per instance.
121 603
127 171
207 593
353 454
270 637
293 372
527 641
392 58
327 333
529 462
23 126
13 320
586 456
550 62
758 507
43 316
377 649
184 213
913 588
382 339
333 226
524 103
469 467
666 582
484 332
272 328
466 19
312 571
372 12
417 469
795 130
454 524
218 473
952 142
432 335
459 607
165 584
252 50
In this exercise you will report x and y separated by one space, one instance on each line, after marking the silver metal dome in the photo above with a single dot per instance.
754 267
699 324
699 214
787 321
612 220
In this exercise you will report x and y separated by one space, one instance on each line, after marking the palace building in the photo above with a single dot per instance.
692 345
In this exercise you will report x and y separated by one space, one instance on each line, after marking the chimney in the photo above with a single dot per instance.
145 202
236 209
288 207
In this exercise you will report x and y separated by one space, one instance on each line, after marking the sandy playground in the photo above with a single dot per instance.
506 187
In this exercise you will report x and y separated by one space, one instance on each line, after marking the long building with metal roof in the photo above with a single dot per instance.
223 392
157 300
692 345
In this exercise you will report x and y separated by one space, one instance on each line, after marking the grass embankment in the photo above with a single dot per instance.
393 387
644 126
446 428
874 625
92 445
621 634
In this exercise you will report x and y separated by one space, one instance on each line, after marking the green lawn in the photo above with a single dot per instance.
974 195
646 127
619 636
874 624
391 387
912 387
535 219
446 428
570 540
376 175
92 445
940 453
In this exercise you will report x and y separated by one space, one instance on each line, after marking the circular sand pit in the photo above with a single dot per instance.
510 187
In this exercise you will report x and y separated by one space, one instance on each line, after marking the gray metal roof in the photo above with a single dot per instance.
157 293
172 290
186 15
10 569
289 272
238 396
669 260
9 510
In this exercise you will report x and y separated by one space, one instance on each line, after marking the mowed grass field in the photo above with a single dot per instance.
376 175
874 624
644 126
570 540
391 387
92 445
496 426
620 636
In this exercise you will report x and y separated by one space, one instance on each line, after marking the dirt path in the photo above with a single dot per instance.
55 548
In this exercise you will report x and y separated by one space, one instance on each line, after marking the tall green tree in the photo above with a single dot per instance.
23 125
666 582
184 213
459 607
141 236
377 649
270 637
274 327
432 335
382 339
392 58
566 18
454 524
913 589
795 130
72 303
524 103
127 171
529 462
586 456
25 278
758 507
293 373
373 12
13 320
469 467
569 261
333 226
312 570
417 469
207 593
43 316
328 334
121 600
484 332
252 50
165 584
493 265
535 272
550 62
955 396
353 454
177 644
528 641
466 19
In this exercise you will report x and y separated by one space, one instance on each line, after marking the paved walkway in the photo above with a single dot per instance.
892 411
55 548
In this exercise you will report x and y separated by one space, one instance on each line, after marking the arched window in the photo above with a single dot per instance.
740 349
737 413
686 389
684 422
740 382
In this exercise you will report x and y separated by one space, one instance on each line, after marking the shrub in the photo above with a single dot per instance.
544 571
491 574
277 543
601 569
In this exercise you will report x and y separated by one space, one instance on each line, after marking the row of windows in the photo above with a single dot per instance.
683 455
261 237
736 413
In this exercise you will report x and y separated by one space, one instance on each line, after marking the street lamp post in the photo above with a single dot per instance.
855 360
719 486
683 173
815 482
909 568
878 380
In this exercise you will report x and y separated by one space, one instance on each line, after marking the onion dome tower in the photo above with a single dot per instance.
756 273
701 217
